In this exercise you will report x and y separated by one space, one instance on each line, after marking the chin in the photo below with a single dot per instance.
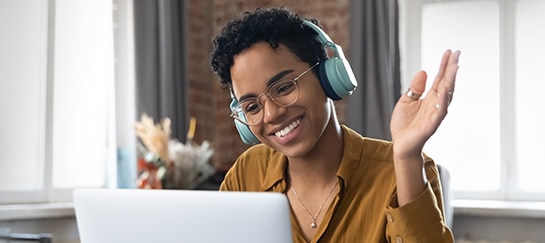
292 151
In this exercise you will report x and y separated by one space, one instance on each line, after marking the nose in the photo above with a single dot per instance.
272 112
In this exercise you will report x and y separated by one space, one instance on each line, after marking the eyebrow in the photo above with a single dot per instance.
275 78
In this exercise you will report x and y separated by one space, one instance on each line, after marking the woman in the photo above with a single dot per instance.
342 187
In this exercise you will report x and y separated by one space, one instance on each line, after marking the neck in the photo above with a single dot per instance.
322 163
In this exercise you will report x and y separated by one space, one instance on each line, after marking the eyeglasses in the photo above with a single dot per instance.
283 93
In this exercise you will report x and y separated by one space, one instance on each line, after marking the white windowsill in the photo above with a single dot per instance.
495 208
489 208
36 211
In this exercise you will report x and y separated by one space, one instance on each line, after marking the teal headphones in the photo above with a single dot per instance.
335 75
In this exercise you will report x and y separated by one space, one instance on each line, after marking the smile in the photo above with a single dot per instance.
288 128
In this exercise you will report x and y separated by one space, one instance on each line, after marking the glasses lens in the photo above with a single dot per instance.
284 92
251 110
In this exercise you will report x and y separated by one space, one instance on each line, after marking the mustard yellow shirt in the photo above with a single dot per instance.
365 209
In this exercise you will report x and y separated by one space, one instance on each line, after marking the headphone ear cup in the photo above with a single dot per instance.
337 78
335 73
325 82
244 131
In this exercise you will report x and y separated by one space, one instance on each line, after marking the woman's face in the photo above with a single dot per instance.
293 130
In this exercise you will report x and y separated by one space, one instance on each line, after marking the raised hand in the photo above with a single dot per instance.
415 119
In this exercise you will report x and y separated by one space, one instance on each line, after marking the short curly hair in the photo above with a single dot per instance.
273 25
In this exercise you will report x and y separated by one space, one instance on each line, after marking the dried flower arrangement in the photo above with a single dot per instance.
168 163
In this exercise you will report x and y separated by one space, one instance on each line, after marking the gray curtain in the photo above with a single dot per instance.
159 53
375 61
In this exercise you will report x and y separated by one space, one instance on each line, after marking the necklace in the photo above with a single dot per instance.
313 224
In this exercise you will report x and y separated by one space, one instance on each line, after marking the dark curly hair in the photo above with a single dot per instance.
275 26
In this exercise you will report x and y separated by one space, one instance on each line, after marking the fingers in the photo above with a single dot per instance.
450 76
442 68
444 81
443 85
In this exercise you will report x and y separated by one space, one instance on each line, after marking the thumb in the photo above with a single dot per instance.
418 84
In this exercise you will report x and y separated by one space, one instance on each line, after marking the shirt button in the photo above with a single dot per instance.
399 239
390 218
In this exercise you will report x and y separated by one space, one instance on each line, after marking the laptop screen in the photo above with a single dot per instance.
136 215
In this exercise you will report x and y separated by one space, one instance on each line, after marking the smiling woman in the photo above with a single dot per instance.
59 99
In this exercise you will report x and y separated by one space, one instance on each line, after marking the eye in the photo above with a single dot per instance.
283 88
251 107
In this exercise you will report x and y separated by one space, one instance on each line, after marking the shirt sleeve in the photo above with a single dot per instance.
418 221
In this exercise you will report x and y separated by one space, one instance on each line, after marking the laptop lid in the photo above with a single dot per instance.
136 215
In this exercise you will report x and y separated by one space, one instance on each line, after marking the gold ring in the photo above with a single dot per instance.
413 95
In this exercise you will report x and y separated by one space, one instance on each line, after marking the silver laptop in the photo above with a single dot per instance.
136 215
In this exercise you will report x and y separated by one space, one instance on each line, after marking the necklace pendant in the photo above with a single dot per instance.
313 225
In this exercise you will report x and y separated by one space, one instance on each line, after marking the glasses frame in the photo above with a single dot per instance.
237 108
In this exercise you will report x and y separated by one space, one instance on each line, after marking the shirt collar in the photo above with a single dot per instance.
275 179
352 153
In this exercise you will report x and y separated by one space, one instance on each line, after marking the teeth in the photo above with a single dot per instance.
288 129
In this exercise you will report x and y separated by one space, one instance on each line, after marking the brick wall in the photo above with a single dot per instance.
207 101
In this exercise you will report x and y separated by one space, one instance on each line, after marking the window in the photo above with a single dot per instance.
490 140
56 98
22 91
